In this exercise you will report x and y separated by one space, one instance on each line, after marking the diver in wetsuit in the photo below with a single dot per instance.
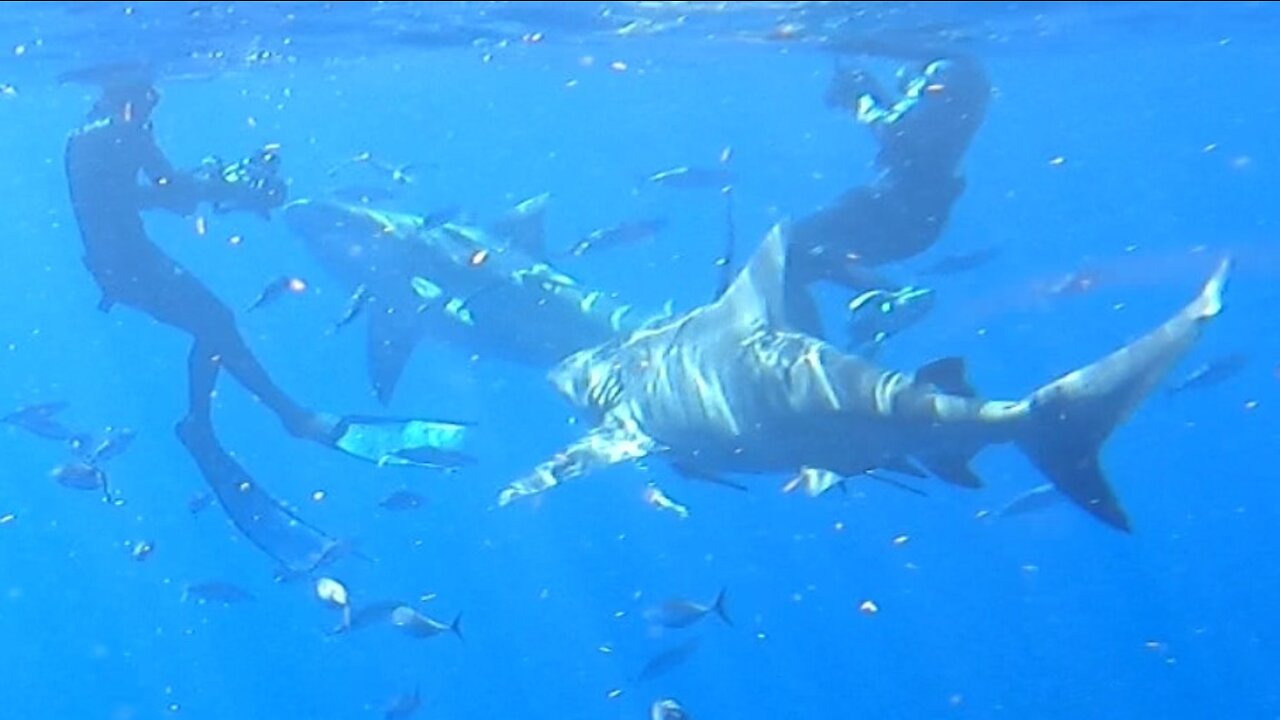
103 161
923 135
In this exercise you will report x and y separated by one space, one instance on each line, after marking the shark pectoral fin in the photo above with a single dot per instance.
394 332
953 468
602 447
948 375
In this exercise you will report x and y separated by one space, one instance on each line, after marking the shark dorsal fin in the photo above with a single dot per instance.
523 226
757 294
948 374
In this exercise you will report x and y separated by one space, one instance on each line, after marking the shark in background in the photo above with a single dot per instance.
490 290
734 387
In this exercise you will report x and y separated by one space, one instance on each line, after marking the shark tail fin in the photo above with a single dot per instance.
456 627
1072 417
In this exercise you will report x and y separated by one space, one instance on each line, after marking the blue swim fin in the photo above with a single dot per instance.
400 441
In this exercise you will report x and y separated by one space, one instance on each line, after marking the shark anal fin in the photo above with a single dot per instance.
948 375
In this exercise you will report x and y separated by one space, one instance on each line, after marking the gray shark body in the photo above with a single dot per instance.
731 387
485 290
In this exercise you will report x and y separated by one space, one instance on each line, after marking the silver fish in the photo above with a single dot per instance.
668 660
38 420
403 706
415 624
667 709
402 500
686 177
1211 373
216 591
1033 500
681 613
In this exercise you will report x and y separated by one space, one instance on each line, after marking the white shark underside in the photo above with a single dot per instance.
731 387
486 292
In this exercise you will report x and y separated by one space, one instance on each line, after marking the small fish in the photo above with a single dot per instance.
685 177
38 419
658 499
397 174
403 706
142 550
402 500
80 475
814 482
877 315
443 216
355 305
363 194
625 233
199 502
1211 373
681 613
667 709
367 615
963 262
1075 283
668 660
415 624
112 445
216 591
1033 500
276 289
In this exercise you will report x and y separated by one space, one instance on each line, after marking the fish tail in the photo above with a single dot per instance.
721 609
456 627
1072 417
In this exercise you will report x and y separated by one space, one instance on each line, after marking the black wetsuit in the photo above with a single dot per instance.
923 137
103 161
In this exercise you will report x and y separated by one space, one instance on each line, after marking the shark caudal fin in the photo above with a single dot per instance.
1074 415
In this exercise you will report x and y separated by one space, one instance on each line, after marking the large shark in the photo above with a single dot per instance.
732 387
488 290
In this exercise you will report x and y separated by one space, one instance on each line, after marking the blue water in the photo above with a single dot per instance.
1137 141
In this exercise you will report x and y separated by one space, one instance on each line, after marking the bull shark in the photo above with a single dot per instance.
733 387
488 290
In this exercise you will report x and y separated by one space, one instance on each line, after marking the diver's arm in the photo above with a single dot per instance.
169 189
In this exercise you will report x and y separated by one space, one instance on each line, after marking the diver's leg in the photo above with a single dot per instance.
298 546
167 292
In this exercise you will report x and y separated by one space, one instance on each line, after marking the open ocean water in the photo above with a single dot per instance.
1126 149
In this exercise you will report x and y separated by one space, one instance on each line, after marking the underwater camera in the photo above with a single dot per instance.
251 184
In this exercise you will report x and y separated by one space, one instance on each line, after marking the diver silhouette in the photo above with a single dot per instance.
104 158
922 135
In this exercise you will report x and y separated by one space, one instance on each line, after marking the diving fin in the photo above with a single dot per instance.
398 441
